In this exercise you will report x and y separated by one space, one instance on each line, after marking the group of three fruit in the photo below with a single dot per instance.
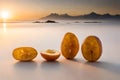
91 49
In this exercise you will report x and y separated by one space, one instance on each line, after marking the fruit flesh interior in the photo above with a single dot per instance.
51 51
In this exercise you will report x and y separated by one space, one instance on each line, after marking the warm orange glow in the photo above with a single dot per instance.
5 14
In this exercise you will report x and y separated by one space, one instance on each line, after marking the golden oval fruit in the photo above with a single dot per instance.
92 48
24 53
69 45
50 55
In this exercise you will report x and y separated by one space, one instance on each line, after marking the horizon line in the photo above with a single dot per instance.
84 14
63 14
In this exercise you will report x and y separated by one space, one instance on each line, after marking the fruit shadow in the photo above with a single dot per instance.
112 67
50 65
31 65
77 60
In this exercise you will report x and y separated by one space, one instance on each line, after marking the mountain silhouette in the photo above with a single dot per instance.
57 16
92 15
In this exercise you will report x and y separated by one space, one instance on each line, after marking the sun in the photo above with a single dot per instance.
5 14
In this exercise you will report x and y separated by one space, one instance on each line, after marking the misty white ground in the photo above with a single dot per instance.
49 36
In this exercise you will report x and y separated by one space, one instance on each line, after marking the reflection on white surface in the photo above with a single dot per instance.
49 36
5 27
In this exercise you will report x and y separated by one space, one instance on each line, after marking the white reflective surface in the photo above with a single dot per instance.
49 36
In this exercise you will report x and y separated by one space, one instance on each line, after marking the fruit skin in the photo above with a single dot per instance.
24 53
69 45
50 56
92 48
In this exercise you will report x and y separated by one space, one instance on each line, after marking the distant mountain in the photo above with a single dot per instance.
92 15
57 16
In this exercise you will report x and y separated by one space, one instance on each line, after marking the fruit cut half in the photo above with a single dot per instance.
50 55
92 48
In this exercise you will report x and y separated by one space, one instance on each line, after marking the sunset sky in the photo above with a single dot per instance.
33 9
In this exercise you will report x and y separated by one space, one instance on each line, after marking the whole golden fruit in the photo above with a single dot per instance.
92 48
24 53
69 45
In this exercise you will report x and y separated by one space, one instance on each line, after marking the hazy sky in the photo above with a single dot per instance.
28 9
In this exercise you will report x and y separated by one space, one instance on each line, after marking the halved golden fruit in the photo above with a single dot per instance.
24 53
92 48
69 45
50 55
